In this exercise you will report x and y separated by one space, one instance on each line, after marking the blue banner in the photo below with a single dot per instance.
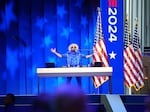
112 24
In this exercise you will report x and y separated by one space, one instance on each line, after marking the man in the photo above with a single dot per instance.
73 57
69 100
9 102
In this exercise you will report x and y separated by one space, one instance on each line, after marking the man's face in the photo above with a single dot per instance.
73 48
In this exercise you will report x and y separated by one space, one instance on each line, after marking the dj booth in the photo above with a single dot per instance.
75 71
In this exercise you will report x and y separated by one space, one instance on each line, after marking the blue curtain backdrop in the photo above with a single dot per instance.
29 28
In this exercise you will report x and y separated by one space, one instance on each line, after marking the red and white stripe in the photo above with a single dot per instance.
129 66
140 82
101 53
100 56
138 56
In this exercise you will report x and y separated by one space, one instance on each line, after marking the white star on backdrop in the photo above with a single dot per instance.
66 32
40 21
84 21
112 55
47 41
61 11
7 17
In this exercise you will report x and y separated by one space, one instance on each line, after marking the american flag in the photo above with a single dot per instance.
129 58
138 57
100 49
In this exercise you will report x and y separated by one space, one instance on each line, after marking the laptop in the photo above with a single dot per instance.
98 64
49 65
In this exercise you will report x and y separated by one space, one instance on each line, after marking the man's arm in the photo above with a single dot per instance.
53 50
88 56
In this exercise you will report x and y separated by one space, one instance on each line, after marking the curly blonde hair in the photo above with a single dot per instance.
73 45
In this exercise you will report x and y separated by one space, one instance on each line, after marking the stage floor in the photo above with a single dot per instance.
131 102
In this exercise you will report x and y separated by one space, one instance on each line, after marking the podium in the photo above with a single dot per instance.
75 71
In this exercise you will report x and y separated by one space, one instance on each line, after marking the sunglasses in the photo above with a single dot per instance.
73 47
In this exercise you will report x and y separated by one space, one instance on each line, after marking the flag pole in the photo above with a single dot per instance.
98 9
130 89
99 47
100 27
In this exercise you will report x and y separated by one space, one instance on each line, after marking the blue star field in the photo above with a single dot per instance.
29 28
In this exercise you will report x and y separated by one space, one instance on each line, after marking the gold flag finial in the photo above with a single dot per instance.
136 21
126 17
98 9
